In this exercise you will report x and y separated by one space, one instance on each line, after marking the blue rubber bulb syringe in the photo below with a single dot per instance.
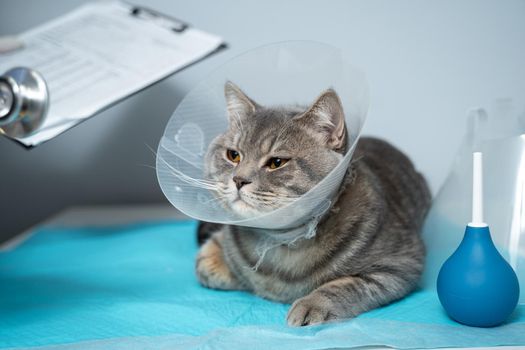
476 286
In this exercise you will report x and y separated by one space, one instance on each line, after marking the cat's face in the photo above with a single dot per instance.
270 156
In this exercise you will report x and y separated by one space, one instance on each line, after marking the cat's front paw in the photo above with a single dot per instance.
212 271
314 308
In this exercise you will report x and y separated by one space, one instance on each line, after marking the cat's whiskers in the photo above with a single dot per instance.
201 183
267 199
148 166
274 195
217 199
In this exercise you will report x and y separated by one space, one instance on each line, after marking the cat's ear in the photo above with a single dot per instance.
326 119
237 103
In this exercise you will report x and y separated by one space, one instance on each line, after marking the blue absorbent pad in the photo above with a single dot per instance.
132 287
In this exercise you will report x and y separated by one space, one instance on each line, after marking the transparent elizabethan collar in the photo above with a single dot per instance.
286 73
500 135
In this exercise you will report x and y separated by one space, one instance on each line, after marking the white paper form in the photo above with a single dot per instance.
100 53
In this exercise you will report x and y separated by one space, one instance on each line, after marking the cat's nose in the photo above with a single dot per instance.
239 182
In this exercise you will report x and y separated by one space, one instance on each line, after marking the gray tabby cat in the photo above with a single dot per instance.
367 251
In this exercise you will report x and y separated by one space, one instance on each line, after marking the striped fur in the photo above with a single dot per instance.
367 251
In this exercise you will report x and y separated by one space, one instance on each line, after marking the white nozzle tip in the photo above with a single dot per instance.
478 157
477 190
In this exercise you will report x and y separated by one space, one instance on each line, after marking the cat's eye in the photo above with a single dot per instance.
233 156
275 163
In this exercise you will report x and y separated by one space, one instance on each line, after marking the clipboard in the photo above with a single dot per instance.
102 53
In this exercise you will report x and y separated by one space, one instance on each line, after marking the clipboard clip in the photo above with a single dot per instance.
161 19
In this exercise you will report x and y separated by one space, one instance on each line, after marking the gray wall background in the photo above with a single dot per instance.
427 62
